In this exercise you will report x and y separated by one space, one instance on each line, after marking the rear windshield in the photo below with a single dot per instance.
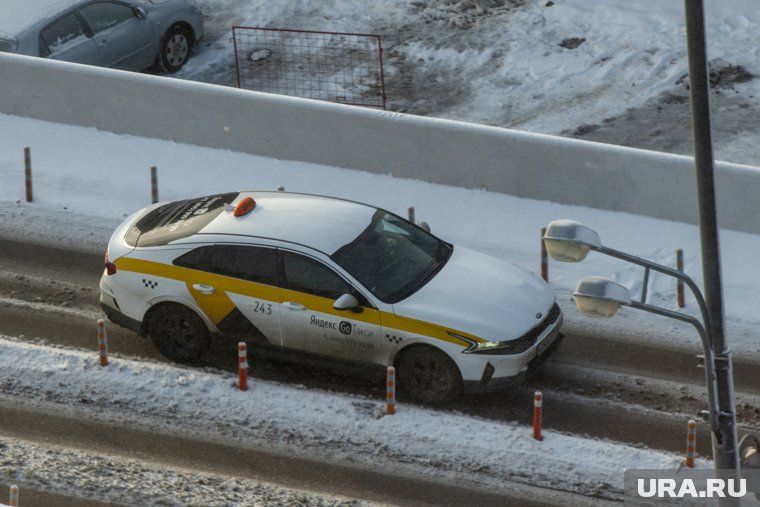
177 220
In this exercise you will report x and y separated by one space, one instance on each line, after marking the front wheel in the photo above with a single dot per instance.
427 375
174 49
178 332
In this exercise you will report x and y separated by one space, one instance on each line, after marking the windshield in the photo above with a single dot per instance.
392 258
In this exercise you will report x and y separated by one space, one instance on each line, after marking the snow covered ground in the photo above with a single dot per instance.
320 425
605 70
86 182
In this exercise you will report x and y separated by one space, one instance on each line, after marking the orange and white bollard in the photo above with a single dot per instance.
691 443
242 366
28 173
153 184
14 496
102 343
537 416
390 395
679 287
544 257
410 214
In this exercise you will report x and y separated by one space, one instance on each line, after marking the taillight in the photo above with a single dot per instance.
110 266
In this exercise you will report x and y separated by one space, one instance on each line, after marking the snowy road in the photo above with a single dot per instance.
218 465
588 387
589 370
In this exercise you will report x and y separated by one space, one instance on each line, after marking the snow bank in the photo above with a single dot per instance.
435 444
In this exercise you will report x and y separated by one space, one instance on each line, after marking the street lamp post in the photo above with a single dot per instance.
570 241
728 456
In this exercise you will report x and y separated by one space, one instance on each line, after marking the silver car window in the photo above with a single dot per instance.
62 33
103 15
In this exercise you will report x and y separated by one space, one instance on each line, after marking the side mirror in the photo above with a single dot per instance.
423 225
347 302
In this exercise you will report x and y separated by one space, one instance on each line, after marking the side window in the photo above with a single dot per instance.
104 15
62 33
255 264
304 274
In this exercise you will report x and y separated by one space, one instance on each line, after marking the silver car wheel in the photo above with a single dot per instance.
177 49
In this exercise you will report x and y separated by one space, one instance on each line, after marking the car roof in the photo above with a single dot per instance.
321 223
19 15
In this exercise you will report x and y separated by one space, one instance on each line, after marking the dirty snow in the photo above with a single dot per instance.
512 63
282 418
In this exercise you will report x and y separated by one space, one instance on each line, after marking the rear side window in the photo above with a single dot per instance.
62 33
177 220
252 263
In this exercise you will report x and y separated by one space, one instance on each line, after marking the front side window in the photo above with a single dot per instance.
61 34
104 15
251 263
392 258
304 274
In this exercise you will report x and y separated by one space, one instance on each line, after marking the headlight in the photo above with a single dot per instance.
516 346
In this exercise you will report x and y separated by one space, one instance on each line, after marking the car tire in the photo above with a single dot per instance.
174 49
178 332
427 375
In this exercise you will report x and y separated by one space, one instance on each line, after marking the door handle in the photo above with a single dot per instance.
204 289
293 306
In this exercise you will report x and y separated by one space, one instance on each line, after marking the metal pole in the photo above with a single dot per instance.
725 448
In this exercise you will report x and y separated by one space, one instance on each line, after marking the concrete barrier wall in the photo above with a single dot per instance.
454 153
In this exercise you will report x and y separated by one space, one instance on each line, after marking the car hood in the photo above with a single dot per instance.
482 296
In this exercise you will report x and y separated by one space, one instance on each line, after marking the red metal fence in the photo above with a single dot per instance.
337 67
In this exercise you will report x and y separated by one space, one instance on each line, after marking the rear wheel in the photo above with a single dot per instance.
178 332
427 375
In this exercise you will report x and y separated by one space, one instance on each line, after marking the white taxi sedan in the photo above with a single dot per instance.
329 277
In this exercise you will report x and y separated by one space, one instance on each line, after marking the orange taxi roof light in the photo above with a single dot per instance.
245 206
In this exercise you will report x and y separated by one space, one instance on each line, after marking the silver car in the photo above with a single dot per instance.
122 34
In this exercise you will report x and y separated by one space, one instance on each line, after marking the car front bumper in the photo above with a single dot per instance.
493 377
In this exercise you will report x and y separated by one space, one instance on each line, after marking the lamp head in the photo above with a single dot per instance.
596 296
570 241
